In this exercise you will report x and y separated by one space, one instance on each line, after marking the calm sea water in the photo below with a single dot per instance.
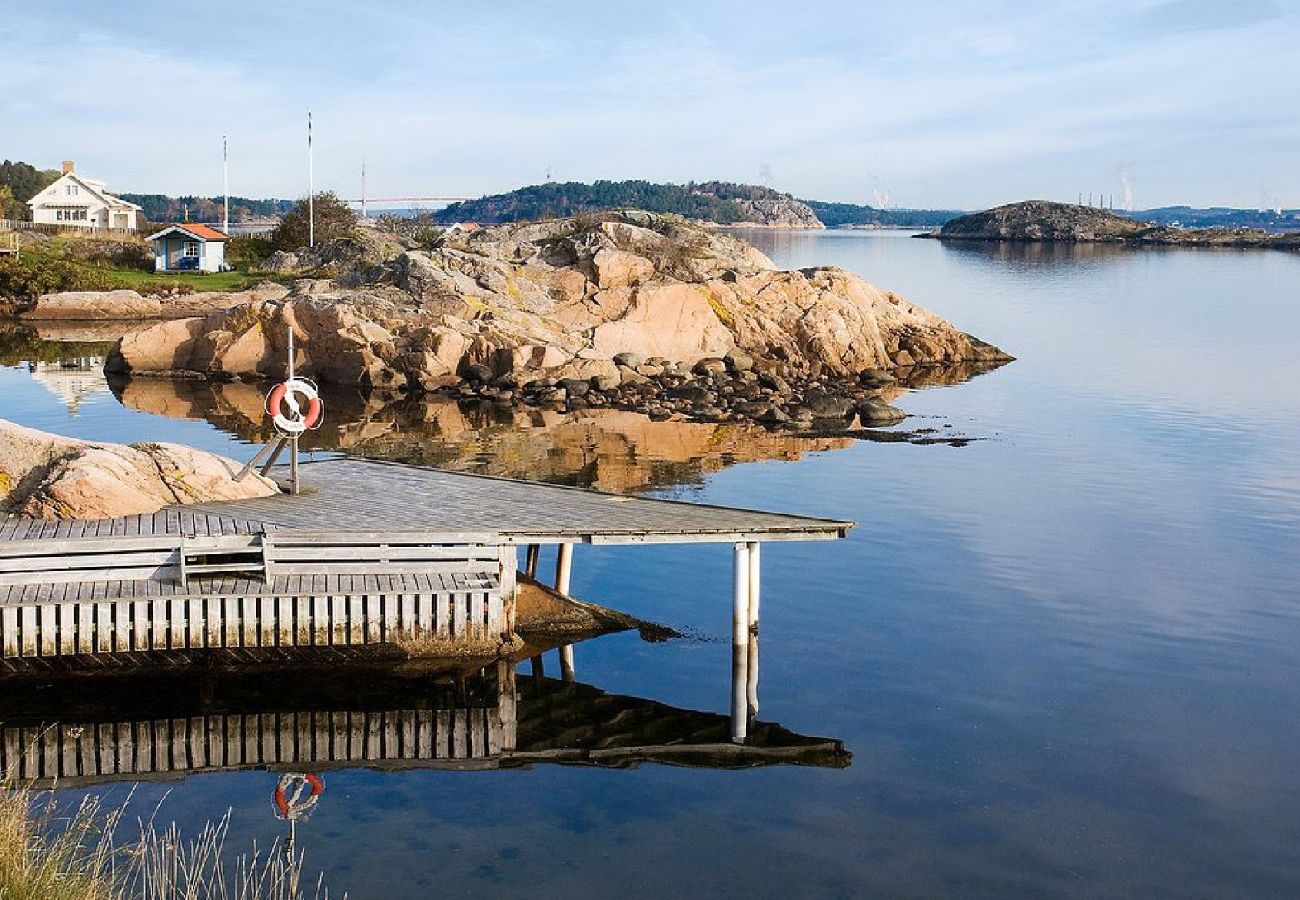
1065 657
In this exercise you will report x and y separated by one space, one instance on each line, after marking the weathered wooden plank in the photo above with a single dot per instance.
405 735
105 749
9 624
373 614
338 619
340 728
48 629
68 736
250 624
425 736
266 632
356 619
406 613
476 619
158 623
268 727
37 548
320 620
308 554
178 622
442 740
85 627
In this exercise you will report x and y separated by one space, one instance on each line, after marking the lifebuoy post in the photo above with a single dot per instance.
293 441
294 406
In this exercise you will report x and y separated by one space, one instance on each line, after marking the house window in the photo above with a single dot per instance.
191 248
70 190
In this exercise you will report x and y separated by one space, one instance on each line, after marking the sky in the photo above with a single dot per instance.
935 104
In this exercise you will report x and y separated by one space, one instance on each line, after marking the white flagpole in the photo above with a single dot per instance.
364 213
225 185
311 190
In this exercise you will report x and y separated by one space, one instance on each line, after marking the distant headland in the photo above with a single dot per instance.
1047 222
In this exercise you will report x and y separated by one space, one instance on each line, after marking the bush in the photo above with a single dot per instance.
421 228
334 219
23 281
248 248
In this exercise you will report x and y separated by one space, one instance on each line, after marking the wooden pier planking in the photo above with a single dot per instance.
357 494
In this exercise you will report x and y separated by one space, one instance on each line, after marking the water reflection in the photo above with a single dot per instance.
151 725
607 449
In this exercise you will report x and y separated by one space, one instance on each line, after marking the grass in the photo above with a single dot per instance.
137 279
49 851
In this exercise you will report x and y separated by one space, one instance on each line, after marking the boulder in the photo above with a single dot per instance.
46 476
876 378
95 305
709 366
827 406
875 413
618 268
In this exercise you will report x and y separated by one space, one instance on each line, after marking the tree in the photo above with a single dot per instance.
10 208
334 219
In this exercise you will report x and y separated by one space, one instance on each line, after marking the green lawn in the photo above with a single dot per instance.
139 279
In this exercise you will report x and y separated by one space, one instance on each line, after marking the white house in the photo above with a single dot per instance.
75 201
189 247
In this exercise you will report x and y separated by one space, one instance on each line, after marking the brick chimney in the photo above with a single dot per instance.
68 166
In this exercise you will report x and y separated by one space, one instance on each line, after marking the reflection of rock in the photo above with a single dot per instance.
561 297
607 449
46 476
85 332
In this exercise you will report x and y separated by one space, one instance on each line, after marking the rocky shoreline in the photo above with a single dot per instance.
733 388
629 310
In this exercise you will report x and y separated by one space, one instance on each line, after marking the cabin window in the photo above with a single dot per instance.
191 248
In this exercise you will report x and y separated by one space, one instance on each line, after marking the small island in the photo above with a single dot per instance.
1034 221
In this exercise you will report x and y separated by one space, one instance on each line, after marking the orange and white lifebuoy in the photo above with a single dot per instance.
288 798
291 414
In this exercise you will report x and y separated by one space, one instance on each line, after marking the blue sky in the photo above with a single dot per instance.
920 104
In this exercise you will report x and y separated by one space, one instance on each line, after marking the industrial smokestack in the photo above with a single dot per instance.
68 166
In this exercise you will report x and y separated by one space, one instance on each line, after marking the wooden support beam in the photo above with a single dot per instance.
566 663
563 568
754 581
530 559
739 691
741 597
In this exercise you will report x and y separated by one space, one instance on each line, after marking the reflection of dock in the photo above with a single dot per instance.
181 724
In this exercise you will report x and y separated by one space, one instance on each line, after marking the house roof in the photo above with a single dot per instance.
194 230
96 188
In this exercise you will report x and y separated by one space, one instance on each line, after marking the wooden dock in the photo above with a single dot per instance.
369 553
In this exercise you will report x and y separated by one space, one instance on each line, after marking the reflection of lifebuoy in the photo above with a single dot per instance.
293 806
295 421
